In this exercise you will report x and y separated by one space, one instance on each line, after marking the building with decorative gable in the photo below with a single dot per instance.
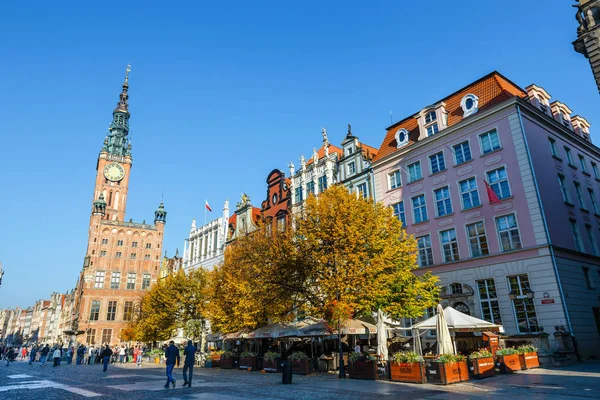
314 175
499 185
354 165
275 209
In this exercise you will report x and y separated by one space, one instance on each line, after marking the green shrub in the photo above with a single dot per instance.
247 354
406 357
354 357
450 358
270 356
527 348
506 352
226 354
298 356
481 353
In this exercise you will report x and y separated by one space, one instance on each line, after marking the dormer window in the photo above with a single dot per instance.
432 120
349 150
565 121
469 104
401 138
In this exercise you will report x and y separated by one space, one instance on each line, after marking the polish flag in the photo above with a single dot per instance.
207 206
492 196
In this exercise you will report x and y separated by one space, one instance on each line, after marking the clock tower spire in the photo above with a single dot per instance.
114 161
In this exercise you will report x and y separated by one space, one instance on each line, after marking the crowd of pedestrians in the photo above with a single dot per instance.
104 354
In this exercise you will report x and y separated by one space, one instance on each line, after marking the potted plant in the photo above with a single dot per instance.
270 363
407 367
362 366
482 363
300 363
248 360
447 369
215 356
228 360
528 356
508 360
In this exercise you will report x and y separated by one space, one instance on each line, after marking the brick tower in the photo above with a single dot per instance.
122 258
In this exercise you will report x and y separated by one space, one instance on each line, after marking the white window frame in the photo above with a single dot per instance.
401 143
447 202
501 195
487 134
99 279
351 168
439 161
115 280
463 208
499 233
478 238
394 179
417 166
362 189
427 250
489 300
460 146
400 211
421 206
131 278
455 255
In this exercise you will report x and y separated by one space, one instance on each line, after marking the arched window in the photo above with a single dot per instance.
456 288
401 138
110 199
462 307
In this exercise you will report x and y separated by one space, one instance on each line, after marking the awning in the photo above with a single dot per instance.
351 327
458 322
273 331
243 334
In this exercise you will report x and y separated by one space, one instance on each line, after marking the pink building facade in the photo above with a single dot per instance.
474 178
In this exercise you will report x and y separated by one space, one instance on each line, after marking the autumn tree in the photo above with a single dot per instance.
177 301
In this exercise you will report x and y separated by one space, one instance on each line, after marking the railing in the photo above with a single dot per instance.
128 224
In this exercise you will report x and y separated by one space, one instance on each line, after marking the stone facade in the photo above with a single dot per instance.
473 177
354 165
588 34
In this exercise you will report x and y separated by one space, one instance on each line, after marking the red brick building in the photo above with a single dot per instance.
122 258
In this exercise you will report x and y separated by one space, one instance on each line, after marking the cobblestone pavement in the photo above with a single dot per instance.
22 381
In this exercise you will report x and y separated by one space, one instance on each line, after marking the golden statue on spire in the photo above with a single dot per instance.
127 71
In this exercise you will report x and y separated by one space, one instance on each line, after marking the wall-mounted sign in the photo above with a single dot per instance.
547 301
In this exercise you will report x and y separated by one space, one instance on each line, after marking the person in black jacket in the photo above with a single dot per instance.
190 359
105 356
172 355
44 355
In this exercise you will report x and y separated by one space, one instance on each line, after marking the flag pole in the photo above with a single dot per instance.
205 202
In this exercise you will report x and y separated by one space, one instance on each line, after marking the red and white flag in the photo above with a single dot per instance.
207 206
492 196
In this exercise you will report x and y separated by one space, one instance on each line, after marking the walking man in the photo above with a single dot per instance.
92 358
172 355
80 353
44 355
56 355
105 356
32 355
10 356
190 358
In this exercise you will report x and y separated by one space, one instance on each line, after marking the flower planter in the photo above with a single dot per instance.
248 363
529 360
483 367
272 365
445 374
363 370
408 372
301 367
509 363
216 361
229 362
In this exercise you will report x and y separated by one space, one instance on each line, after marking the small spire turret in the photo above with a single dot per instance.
99 205
160 215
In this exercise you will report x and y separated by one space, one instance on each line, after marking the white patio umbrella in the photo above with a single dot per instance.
417 342
382 349
444 340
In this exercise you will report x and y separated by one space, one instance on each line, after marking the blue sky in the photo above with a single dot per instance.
221 93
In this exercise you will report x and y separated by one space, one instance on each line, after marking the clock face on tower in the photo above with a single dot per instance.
114 172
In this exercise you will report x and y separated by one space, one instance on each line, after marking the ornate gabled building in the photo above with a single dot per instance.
245 219
354 166
275 209
122 258
205 245
170 265
588 34
314 175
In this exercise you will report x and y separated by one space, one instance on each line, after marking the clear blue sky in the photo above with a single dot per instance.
221 93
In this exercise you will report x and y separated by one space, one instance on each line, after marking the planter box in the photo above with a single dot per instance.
483 367
445 374
408 372
216 361
272 366
509 363
301 367
529 360
229 362
248 363
363 370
